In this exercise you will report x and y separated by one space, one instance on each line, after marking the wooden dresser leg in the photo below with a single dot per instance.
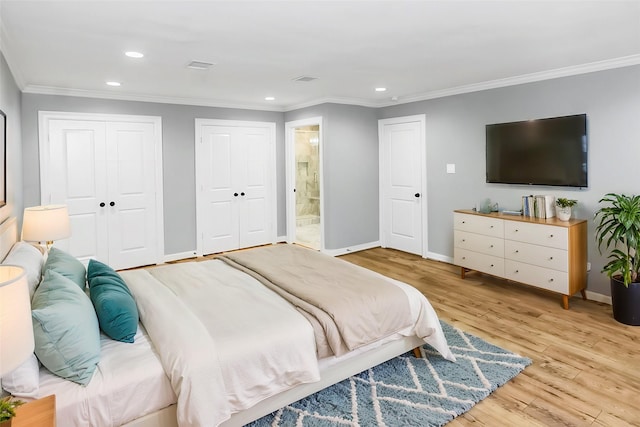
565 302
462 271
416 352
584 294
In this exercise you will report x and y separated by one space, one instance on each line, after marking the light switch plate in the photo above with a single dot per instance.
451 168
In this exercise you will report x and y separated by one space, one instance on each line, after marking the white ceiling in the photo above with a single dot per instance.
416 49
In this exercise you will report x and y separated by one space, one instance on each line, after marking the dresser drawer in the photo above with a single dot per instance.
537 234
553 280
479 243
479 262
542 256
478 224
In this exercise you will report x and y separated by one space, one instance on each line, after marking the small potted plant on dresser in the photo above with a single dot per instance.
618 229
8 407
563 208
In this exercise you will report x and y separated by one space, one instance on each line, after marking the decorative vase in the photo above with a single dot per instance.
625 302
563 214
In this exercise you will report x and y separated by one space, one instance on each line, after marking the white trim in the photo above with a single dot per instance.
271 184
439 257
352 249
594 296
383 167
621 62
180 256
290 173
44 118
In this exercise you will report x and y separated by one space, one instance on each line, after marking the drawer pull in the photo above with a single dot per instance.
491 246
551 236
550 258
516 230
491 226
464 240
464 222
517 251
517 271
491 265
464 257
550 280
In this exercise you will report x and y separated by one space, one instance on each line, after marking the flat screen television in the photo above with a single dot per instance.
551 151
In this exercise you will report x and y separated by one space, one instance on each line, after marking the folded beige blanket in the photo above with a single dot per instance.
347 305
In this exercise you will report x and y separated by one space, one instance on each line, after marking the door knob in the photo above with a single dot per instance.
417 194
112 203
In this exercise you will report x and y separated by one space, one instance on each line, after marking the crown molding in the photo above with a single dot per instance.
48 90
476 87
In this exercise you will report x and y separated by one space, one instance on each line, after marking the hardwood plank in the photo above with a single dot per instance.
585 371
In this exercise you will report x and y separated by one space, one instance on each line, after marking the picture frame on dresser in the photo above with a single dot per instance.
3 158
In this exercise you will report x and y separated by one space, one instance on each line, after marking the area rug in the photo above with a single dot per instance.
407 391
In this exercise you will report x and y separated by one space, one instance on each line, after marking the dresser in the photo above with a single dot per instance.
546 253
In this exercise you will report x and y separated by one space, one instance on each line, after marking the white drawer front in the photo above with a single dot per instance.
479 243
478 224
537 234
545 278
553 258
479 262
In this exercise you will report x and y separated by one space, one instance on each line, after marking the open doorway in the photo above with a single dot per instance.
304 226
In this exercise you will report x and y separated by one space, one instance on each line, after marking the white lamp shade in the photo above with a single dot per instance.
16 328
45 223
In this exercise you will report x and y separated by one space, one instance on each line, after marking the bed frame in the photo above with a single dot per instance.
331 375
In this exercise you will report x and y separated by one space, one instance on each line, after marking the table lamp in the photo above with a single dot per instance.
16 329
46 224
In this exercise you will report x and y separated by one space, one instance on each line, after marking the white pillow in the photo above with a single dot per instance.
24 381
30 258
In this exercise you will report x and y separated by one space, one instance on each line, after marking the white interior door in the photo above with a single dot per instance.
403 184
131 194
77 177
108 170
235 177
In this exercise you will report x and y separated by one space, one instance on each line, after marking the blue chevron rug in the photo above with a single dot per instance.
406 391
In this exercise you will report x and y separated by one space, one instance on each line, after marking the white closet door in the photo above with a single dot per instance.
77 177
255 203
235 177
131 194
218 165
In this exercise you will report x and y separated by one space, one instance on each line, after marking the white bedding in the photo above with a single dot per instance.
128 383
255 344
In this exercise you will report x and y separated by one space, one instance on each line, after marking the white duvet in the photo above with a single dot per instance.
214 370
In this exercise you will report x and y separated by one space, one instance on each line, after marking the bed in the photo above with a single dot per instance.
217 328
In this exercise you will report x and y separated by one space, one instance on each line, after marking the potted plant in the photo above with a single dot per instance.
7 410
563 208
618 229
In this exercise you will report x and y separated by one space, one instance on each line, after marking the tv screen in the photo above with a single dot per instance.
549 151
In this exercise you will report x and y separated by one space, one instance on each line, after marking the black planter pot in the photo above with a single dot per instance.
625 302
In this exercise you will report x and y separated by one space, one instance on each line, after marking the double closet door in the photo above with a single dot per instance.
107 170
235 177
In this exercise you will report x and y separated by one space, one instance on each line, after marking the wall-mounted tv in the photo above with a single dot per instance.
551 151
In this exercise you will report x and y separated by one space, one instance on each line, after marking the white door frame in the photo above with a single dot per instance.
44 118
290 160
384 169
271 184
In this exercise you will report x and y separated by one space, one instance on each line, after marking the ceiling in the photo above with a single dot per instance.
415 49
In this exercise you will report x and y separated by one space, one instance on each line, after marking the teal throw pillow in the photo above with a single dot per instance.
65 327
116 309
69 266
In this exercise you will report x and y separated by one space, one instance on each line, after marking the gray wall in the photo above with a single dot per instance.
10 105
350 172
178 151
456 134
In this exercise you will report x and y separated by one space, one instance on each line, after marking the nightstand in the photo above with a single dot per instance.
37 413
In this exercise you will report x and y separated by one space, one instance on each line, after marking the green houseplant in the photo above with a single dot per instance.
618 230
563 208
7 410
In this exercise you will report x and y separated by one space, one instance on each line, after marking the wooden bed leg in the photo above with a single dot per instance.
584 294
417 353
565 302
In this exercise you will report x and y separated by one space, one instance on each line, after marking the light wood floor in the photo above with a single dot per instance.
586 366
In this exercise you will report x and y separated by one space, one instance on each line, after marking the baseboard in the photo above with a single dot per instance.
281 239
439 257
594 296
180 256
351 249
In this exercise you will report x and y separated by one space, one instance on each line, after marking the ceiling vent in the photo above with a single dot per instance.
305 79
199 65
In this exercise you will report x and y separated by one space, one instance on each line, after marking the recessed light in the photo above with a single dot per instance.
381 89
132 54
269 98
113 83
